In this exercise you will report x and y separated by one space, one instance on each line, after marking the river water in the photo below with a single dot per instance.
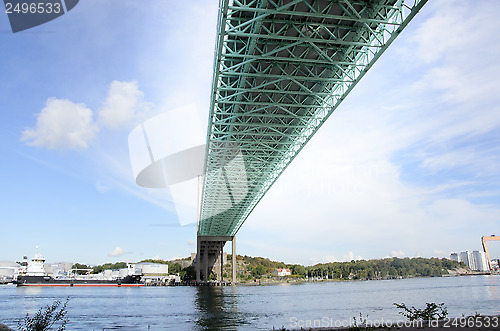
252 307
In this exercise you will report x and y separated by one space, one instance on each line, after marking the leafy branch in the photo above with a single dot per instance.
432 311
46 317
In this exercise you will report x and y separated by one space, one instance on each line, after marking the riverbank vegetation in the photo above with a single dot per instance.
385 268
83 268
251 268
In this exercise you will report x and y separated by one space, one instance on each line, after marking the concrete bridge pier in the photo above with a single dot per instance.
210 257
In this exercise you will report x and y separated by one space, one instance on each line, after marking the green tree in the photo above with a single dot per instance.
97 269
298 270
174 268
188 274
109 266
81 266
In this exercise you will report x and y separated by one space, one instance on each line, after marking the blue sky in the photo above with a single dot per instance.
407 166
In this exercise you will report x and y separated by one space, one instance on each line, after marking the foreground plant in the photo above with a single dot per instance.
431 312
358 324
53 315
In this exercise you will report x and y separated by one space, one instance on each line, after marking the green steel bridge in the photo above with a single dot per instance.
281 69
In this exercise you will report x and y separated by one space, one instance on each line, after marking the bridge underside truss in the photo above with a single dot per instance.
281 68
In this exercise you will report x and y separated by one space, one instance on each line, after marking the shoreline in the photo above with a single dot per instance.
303 280
299 281
478 322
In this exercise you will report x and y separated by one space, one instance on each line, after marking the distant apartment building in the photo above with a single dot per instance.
475 260
282 272
464 257
480 262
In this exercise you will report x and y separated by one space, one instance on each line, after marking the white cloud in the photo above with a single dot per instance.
442 33
441 253
348 257
177 257
190 242
450 159
124 105
63 125
399 253
102 188
459 44
117 251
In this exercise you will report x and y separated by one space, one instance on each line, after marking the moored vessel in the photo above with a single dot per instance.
32 273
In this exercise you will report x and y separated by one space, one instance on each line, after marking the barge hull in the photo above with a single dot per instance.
83 285
127 281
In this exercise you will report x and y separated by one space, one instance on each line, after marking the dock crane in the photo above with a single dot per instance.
485 247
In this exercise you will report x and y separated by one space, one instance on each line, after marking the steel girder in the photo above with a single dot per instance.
281 68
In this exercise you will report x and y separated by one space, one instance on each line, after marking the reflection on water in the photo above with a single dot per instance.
492 288
217 308
30 290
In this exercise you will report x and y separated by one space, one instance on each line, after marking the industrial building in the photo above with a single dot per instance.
156 274
153 269
7 271
58 268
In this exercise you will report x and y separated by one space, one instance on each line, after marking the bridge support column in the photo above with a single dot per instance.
233 262
220 261
205 266
197 266
221 257
210 257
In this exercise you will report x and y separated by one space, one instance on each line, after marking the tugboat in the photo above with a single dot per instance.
33 273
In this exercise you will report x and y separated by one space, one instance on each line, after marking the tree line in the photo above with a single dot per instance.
98 268
393 267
